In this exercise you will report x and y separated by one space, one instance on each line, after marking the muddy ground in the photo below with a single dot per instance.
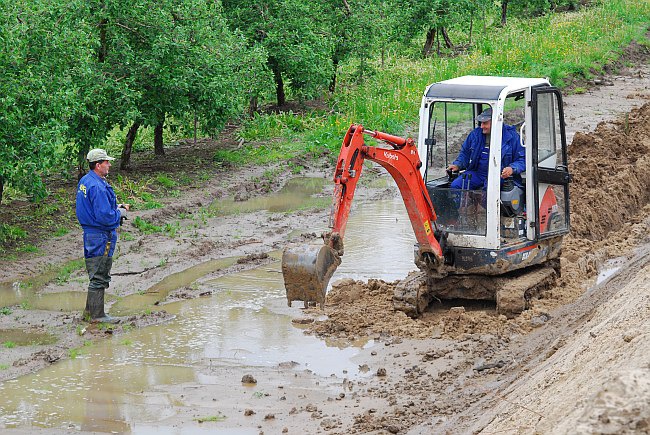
577 361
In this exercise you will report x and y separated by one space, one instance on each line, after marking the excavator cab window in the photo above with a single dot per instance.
460 208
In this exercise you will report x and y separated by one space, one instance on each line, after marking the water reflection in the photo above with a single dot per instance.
378 242
297 193
111 385
245 323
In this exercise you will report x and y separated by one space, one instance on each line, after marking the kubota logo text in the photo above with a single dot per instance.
391 156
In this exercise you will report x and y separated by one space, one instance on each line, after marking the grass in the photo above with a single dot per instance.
5 311
75 352
4 366
11 233
63 276
29 248
210 418
9 344
146 227
559 46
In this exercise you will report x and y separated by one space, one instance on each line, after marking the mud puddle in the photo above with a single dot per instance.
19 337
22 291
378 242
244 323
299 192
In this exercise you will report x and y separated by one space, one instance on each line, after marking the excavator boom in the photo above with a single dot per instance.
308 269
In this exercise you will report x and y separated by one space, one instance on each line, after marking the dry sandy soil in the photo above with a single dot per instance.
577 362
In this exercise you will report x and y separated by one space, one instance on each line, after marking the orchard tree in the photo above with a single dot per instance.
46 59
355 29
433 19
179 61
294 35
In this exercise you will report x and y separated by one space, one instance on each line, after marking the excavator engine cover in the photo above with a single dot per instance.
307 271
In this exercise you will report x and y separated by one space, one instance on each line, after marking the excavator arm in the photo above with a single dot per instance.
308 269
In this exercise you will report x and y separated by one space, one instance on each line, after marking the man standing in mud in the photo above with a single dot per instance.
99 215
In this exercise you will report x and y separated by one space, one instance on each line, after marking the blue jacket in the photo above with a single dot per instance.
97 214
512 153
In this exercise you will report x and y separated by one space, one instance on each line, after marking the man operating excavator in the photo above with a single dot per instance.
474 155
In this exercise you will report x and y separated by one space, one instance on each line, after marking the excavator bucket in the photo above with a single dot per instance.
306 270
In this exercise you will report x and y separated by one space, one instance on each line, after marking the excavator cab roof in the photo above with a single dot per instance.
480 88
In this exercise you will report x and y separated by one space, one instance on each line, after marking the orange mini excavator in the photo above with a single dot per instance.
500 241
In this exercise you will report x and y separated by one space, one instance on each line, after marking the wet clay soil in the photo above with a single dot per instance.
577 361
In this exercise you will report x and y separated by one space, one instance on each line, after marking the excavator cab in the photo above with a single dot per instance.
486 224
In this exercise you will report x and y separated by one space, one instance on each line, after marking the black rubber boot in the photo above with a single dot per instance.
99 269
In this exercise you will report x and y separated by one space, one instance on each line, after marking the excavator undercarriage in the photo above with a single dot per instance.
511 292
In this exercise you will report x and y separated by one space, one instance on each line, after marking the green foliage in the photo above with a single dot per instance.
146 227
263 126
290 35
165 181
60 232
9 344
28 248
11 233
44 64
5 311
4 366
64 273
149 201
127 237
75 352
229 156
171 229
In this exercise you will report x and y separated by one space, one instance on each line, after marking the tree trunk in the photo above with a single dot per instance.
125 160
445 36
428 43
82 163
504 12
279 84
335 63
471 26
252 106
196 126
158 147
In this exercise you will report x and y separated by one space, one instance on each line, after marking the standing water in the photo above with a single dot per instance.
110 385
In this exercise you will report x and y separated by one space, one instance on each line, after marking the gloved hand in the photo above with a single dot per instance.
122 214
